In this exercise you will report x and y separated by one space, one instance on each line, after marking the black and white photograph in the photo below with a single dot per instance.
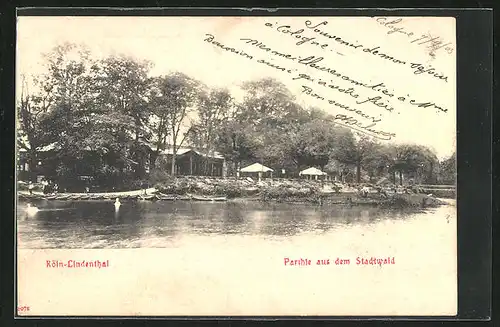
236 166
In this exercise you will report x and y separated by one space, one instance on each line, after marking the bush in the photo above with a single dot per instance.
414 200
177 187
309 194
229 190
160 176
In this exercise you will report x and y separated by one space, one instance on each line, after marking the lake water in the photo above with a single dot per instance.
197 258
60 224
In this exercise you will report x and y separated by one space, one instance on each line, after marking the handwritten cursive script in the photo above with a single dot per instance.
359 103
315 34
396 26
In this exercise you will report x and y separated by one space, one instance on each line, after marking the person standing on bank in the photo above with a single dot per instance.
45 187
31 187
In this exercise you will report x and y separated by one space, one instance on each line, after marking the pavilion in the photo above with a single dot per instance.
258 169
312 171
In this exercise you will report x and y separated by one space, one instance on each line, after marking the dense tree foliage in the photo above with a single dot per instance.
110 119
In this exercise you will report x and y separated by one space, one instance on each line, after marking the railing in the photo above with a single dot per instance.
438 187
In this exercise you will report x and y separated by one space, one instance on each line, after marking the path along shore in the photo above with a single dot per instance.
322 198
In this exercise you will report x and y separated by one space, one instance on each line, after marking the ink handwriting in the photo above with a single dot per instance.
369 98
314 62
302 37
432 43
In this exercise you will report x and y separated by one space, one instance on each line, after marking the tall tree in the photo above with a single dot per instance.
267 110
356 151
32 114
123 87
213 110
234 140
268 104
429 164
70 80
177 94
62 94
310 143
448 170
404 159
159 120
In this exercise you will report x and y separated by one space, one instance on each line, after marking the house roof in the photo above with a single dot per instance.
312 171
49 147
255 168
181 151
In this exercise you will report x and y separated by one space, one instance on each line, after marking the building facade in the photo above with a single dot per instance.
189 161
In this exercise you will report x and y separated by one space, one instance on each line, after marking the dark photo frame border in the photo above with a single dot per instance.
474 150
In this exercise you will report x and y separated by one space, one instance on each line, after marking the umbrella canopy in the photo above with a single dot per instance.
312 171
255 168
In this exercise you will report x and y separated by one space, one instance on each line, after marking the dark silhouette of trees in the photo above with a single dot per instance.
110 118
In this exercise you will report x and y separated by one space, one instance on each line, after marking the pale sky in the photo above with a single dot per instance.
177 44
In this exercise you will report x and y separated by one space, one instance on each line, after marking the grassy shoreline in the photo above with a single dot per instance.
294 191
277 190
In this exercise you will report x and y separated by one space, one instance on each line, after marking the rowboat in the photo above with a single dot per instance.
183 198
148 198
165 197
205 198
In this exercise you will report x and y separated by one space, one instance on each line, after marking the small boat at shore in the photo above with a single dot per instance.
183 198
148 197
206 198
86 196
166 197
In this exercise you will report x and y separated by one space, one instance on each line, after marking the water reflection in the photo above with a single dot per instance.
145 224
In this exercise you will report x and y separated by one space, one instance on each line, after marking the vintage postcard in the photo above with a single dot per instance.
236 165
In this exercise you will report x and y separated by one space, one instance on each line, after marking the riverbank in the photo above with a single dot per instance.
297 191
308 193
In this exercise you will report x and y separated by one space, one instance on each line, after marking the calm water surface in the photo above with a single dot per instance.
85 224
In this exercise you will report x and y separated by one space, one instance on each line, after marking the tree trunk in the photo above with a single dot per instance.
191 164
138 158
205 164
172 167
174 153
154 156
400 177
137 128
358 172
431 174
224 168
32 165
394 177
141 167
